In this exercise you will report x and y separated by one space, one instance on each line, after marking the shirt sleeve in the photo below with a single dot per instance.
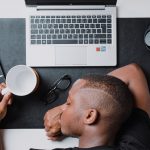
135 133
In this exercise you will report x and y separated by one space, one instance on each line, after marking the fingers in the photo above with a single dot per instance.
5 100
2 86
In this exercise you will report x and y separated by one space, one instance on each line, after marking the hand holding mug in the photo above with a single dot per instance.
4 101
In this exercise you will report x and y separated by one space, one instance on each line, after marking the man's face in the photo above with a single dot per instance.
71 118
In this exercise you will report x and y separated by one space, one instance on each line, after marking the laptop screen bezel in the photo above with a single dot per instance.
70 2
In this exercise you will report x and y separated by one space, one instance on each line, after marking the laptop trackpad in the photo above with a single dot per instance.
71 55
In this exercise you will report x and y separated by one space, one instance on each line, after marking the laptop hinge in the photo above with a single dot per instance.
72 7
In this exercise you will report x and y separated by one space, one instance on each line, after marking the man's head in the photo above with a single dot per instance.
95 101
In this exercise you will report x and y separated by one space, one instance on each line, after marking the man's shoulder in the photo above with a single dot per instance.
136 130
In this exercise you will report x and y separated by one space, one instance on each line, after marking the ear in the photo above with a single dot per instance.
90 117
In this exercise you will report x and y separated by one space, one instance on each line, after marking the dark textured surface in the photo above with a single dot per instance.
28 112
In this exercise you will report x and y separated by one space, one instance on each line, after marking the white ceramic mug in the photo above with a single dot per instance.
21 80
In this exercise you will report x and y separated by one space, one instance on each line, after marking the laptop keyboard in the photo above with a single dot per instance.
90 29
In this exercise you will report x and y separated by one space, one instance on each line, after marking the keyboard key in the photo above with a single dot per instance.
33 36
96 41
98 16
93 30
33 41
94 20
109 41
60 25
76 25
82 30
48 36
102 41
73 20
72 30
65 25
57 20
32 20
34 31
52 20
75 36
109 36
67 31
108 20
108 30
88 31
101 20
69 36
92 25
78 20
64 36
62 31
38 36
97 25
81 25
50 26
59 36
68 20
56 31
47 20
93 16
80 36
80 41
108 16
99 31
41 31
43 36
90 36
37 20
77 30
85 36
71 25
51 31
85 41
38 41
108 25
54 36
42 20
44 25
55 25
64 41
87 25
88 16
100 36
46 31
103 16
39 26
91 41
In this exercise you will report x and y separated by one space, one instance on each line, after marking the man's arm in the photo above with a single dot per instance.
134 77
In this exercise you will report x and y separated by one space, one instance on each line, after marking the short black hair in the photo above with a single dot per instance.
121 102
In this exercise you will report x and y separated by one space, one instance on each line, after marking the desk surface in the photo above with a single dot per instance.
126 9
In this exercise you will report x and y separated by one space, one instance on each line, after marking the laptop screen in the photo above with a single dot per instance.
68 2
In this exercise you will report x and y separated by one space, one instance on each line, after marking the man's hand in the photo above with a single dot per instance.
4 101
52 123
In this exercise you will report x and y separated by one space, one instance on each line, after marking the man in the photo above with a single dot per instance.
97 108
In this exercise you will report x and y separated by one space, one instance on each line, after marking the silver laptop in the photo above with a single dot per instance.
71 33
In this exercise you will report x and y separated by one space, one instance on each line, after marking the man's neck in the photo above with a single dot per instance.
93 139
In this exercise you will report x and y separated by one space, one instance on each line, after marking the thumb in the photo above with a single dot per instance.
5 101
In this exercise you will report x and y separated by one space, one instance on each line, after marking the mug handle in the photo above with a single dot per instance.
5 91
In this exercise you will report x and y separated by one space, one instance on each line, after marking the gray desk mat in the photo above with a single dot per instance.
28 111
